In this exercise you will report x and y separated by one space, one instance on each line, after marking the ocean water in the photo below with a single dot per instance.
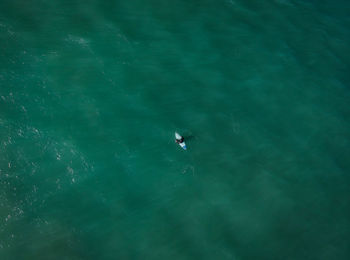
91 93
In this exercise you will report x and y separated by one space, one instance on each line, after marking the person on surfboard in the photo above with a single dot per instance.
179 139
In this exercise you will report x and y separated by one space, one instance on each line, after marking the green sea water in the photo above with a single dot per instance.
91 93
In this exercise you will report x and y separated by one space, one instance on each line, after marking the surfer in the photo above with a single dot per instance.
179 141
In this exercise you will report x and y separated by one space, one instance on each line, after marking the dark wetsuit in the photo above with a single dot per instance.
179 141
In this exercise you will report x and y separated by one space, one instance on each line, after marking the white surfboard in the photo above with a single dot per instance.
179 137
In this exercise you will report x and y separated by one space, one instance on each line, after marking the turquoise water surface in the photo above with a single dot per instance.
91 93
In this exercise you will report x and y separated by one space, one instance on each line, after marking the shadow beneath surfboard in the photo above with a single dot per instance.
189 138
